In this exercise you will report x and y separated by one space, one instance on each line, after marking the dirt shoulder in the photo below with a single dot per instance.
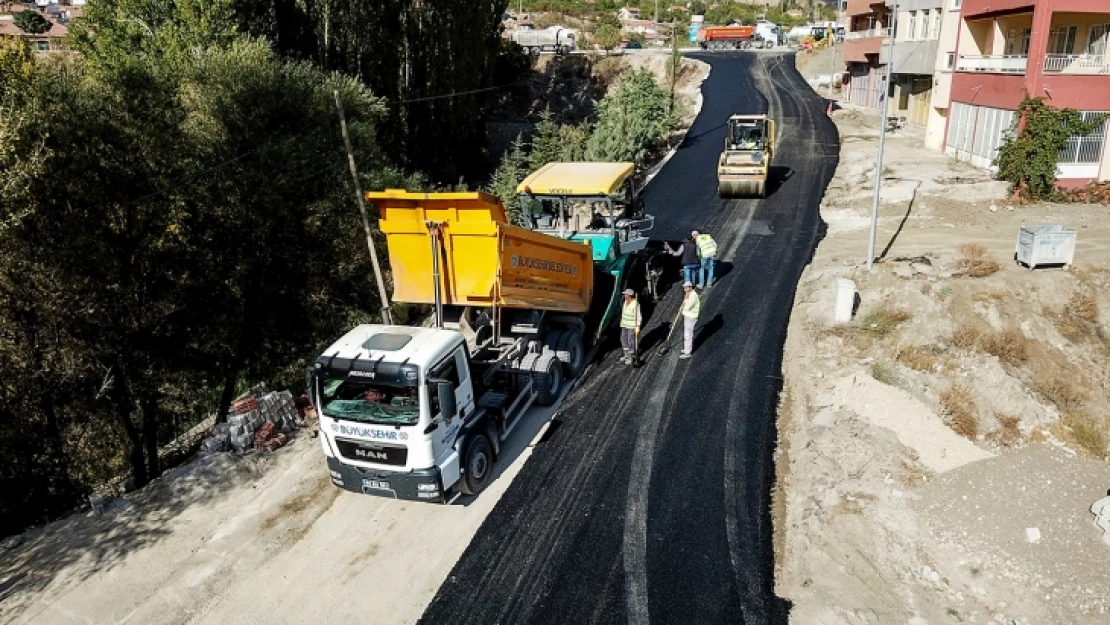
961 412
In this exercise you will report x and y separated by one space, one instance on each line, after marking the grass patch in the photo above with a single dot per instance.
1008 435
881 321
975 261
1083 306
1078 320
918 358
884 373
966 336
994 295
960 410
1011 346
1086 433
1059 389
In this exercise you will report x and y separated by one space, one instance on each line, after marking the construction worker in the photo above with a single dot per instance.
707 250
688 252
630 326
691 308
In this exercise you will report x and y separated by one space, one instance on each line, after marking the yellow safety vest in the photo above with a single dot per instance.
691 305
706 245
630 315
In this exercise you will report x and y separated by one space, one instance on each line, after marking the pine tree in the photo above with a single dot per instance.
546 146
508 175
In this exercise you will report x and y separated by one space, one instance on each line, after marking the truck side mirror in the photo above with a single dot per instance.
446 393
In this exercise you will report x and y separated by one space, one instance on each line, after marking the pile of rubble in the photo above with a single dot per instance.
257 421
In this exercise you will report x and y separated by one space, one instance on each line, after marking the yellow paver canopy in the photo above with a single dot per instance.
577 179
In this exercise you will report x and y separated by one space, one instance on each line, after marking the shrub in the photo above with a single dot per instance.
1011 346
960 411
966 336
1086 433
1058 389
1082 305
1008 434
918 358
975 261
883 320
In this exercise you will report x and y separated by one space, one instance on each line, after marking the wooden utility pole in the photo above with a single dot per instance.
387 316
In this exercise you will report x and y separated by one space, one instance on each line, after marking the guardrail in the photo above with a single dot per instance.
1077 63
867 34
999 64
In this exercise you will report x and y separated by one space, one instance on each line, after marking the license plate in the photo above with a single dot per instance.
376 484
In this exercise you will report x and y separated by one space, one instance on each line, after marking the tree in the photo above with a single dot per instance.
1028 156
607 37
631 120
31 22
637 38
606 19
509 173
546 147
572 140
16 63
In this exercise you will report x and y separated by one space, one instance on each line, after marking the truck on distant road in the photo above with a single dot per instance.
420 412
555 39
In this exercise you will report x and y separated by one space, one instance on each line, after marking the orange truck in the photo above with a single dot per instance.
728 37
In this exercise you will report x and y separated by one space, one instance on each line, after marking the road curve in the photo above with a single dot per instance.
649 502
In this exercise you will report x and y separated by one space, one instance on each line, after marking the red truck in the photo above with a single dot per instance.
728 38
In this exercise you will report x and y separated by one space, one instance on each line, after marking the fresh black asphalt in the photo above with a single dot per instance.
650 499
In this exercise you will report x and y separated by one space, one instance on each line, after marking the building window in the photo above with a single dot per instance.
913 25
1085 149
925 24
1017 45
1061 40
42 46
950 60
1097 39
936 24
956 4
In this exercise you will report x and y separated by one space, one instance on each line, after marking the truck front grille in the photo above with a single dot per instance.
378 453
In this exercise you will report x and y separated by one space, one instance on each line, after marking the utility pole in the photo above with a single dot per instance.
832 49
387 316
882 138
656 20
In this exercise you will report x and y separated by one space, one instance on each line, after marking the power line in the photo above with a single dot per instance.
456 94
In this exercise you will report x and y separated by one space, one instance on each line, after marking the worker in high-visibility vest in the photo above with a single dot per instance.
691 308
630 326
707 250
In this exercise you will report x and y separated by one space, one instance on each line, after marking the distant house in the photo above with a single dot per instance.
797 13
59 16
678 8
628 13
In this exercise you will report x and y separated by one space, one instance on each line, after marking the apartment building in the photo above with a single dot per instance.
868 25
943 68
1055 49
917 30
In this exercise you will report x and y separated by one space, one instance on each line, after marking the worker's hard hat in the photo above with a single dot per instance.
695 233
687 285
629 292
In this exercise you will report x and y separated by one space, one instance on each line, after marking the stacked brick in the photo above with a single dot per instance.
256 421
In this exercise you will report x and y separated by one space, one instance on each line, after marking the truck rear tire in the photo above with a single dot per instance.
478 465
547 379
570 352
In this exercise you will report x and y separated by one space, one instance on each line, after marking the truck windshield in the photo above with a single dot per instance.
368 402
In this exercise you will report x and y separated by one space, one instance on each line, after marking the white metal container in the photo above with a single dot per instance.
1045 245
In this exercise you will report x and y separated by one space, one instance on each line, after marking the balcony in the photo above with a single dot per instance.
1083 64
998 64
866 34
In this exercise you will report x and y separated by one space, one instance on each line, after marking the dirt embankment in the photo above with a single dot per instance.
939 454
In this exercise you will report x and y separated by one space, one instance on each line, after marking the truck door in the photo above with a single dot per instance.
455 370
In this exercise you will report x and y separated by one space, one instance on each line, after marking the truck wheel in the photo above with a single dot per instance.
534 51
570 352
478 465
547 379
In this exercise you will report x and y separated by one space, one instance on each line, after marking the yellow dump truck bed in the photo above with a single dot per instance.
484 260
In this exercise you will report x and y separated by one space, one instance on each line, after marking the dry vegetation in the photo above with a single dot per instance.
1010 346
1008 434
975 261
884 373
924 359
960 410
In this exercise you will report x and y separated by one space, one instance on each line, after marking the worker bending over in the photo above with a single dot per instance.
707 250
630 326
691 308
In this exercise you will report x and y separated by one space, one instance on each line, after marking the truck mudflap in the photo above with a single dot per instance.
415 485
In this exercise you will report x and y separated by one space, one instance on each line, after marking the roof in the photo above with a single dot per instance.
426 344
577 179
57 29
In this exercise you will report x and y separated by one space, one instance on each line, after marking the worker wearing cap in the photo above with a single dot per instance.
707 250
691 308
630 325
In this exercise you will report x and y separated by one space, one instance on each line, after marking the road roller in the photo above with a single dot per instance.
745 163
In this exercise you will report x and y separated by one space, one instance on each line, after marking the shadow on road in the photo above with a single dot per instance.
709 329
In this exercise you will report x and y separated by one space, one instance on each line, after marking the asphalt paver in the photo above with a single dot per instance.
649 499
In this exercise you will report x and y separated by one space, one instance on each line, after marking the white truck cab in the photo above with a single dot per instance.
398 416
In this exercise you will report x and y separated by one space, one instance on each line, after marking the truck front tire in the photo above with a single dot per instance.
547 378
478 465
570 352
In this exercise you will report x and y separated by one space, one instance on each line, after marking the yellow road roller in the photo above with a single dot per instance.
746 160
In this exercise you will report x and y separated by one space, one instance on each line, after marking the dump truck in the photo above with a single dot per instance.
420 413
745 163
555 39
728 37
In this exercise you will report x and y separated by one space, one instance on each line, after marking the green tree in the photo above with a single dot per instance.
608 37
31 22
1029 155
632 120
572 142
606 19
16 62
512 169
546 146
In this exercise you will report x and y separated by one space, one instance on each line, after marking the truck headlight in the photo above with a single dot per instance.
427 487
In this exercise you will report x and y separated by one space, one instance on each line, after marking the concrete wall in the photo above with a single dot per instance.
936 128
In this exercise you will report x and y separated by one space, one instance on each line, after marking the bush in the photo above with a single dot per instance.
975 261
1027 158
960 410
883 320
632 120
918 358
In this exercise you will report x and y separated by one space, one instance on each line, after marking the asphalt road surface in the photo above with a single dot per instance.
649 501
